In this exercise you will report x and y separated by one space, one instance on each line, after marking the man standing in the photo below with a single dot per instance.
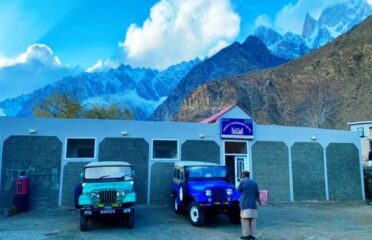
248 207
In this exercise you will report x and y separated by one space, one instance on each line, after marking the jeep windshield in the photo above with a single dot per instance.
108 172
206 172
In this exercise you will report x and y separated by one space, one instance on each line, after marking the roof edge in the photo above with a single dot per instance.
361 122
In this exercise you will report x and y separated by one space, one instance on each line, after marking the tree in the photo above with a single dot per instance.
319 108
63 104
58 104
110 112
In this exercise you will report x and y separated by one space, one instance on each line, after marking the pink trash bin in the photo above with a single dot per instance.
264 197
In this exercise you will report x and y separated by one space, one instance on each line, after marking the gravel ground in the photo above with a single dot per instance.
296 221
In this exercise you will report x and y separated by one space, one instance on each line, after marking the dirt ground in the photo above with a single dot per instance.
296 221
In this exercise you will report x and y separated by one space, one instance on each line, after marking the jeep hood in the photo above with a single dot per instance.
209 184
89 187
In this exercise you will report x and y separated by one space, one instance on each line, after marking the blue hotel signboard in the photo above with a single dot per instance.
236 128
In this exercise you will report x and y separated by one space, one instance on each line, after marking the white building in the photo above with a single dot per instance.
365 132
292 163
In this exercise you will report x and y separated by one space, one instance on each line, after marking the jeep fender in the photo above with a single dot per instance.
130 197
200 197
235 196
85 200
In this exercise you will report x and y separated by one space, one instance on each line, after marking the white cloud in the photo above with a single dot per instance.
35 52
100 65
292 16
370 2
263 20
30 70
179 30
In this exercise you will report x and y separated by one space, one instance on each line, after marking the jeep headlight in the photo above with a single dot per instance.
229 191
208 193
95 195
120 194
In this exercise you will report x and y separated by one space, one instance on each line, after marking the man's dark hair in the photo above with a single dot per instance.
245 174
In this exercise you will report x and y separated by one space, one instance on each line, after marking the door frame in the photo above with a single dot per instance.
238 172
247 163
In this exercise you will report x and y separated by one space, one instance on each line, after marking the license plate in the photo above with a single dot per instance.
107 211
126 210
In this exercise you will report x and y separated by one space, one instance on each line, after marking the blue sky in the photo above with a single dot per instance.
82 32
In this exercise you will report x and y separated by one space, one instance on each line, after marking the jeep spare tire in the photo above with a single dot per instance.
181 194
196 215
176 207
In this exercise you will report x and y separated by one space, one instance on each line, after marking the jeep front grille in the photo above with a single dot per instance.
107 197
219 195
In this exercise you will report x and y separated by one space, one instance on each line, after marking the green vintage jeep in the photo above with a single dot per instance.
107 191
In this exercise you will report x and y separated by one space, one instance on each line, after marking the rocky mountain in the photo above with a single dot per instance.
286 46
309 27
235 59
326 88
333 21
139 89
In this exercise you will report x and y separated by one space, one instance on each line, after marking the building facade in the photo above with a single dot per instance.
364 129
292 163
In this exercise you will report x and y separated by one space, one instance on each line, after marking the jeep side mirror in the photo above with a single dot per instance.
82 175
133 173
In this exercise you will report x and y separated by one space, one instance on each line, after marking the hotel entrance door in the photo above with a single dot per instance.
236 160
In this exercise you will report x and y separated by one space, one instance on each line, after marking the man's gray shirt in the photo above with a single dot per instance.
249 194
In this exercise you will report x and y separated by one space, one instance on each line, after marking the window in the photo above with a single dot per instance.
207 172
80 148
360 130
235 147
370 131
165 149
105 172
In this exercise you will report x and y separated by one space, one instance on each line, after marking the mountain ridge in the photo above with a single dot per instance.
237 58
326 88
105 88
333 21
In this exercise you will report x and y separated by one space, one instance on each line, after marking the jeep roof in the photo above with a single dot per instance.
107 163
194 163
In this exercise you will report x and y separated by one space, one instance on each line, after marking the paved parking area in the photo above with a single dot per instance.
308 221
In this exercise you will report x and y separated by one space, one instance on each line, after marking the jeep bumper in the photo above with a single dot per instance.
220 206
90 211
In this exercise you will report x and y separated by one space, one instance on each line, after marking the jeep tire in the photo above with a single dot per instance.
176 207
196 215
130 219
83 223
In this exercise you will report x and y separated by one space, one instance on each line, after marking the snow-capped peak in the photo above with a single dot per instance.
334 20
309 26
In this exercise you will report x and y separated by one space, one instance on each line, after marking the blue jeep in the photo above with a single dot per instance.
202 190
